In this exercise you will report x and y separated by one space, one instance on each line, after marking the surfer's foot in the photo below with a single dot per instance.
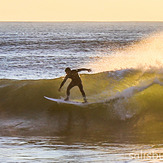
66 99
85 101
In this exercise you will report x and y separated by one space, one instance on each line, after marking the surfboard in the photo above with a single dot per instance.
65 102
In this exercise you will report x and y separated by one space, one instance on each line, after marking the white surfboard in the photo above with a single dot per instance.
65 102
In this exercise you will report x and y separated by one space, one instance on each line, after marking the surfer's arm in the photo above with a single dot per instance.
84 69
63 82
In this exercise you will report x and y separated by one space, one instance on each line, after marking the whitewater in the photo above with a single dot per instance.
125 91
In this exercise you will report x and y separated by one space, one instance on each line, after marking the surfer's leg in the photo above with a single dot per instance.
71 85
82 91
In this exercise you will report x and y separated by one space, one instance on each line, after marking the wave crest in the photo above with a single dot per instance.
118 97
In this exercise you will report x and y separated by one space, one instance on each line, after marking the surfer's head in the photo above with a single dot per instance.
67 70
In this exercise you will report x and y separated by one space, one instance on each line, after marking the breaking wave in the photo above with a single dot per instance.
116 97
125 95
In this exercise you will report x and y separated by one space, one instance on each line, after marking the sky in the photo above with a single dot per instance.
81 10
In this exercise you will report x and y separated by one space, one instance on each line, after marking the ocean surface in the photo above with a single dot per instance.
122 121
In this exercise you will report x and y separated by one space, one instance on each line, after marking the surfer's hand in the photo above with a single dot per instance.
59 89
89 70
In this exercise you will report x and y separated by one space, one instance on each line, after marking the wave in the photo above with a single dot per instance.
145 54
125 97
73 45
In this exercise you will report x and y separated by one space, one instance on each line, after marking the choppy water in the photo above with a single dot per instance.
43 50
123 123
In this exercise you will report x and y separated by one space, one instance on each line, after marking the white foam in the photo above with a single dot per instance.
145 55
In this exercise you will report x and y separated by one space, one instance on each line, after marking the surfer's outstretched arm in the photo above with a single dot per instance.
63 82
84 69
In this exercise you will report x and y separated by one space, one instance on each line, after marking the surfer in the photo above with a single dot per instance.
76 81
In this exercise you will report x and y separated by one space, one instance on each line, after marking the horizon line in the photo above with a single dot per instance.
98 21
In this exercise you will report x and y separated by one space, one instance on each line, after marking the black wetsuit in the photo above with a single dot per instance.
76 81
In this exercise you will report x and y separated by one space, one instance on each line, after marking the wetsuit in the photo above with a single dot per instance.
76 81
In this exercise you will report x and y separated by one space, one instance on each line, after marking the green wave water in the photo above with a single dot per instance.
125 101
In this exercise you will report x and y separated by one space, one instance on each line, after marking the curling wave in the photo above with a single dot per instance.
125 97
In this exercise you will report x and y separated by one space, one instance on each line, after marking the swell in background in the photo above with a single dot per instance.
43 50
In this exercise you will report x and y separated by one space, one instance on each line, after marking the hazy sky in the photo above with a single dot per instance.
81 10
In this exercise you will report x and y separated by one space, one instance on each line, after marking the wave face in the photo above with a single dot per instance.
128 99
125 92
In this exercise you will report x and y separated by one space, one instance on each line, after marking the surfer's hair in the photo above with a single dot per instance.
67 69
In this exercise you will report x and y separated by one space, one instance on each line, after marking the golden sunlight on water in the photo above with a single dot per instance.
144 55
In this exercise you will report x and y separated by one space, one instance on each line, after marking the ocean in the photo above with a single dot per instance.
123 119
